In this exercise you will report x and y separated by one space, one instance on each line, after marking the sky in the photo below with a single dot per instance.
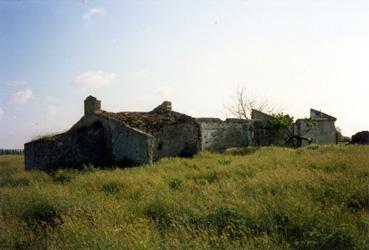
132 55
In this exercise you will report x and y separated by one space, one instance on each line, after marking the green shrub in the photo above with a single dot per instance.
240 151
158 213
111 187
42 213
312 147
225 161
280 120
228 222
357 201
341 238
206 178
10 181
175 183
63 176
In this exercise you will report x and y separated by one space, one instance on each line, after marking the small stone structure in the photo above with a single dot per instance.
217 135
125 138
360 138
133 138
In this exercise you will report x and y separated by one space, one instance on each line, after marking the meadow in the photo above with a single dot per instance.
267 198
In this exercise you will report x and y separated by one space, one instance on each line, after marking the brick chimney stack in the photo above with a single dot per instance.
92 105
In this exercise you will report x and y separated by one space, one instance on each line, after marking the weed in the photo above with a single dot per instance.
206 178
175 183
240 151
9 181
63 176
228 222
43 214
312 147
225 161
357 201
158 212
111 187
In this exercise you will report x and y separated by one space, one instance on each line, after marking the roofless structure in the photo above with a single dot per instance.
105 138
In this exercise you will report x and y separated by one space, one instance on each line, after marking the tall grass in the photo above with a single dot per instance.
271 198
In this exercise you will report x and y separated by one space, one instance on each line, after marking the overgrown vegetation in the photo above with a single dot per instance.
269 198
280 120
46 137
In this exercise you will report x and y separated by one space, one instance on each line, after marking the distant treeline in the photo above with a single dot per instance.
11 151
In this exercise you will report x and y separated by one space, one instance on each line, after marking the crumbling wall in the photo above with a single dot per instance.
266 135
179 139
217 135
320 131
317 114
93 140
131 146
82 145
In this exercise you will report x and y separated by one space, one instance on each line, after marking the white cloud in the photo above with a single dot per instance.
94 12
1 113
94 79
22 96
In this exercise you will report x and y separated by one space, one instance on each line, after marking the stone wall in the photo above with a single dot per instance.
265 135
93 140
131 146
317 114
135 138
180 139
217 135
83 145
320 131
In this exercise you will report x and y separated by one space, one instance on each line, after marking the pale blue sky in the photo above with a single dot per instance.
134 54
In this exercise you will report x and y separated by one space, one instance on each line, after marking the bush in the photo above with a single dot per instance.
111 187
228 222
158 213
175 183
42 214
10 181
206 178
240 151
224 161
280 120
62 176
358 200
343 237
312 147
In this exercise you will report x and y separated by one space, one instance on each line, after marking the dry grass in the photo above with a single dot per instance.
271 198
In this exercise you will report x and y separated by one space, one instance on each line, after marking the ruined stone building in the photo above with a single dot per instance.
133 138
124 138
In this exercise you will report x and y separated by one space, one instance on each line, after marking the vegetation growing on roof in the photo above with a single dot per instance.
46 137
281 120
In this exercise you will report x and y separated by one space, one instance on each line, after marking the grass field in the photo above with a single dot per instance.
268 198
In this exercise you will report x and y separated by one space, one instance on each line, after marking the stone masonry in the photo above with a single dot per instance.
134 138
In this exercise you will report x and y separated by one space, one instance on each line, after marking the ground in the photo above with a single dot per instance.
267 198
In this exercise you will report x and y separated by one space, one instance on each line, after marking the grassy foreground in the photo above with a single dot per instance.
270 198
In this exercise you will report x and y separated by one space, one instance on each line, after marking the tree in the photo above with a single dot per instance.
244 105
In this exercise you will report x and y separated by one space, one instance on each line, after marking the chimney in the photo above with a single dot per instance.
165 107
92 105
